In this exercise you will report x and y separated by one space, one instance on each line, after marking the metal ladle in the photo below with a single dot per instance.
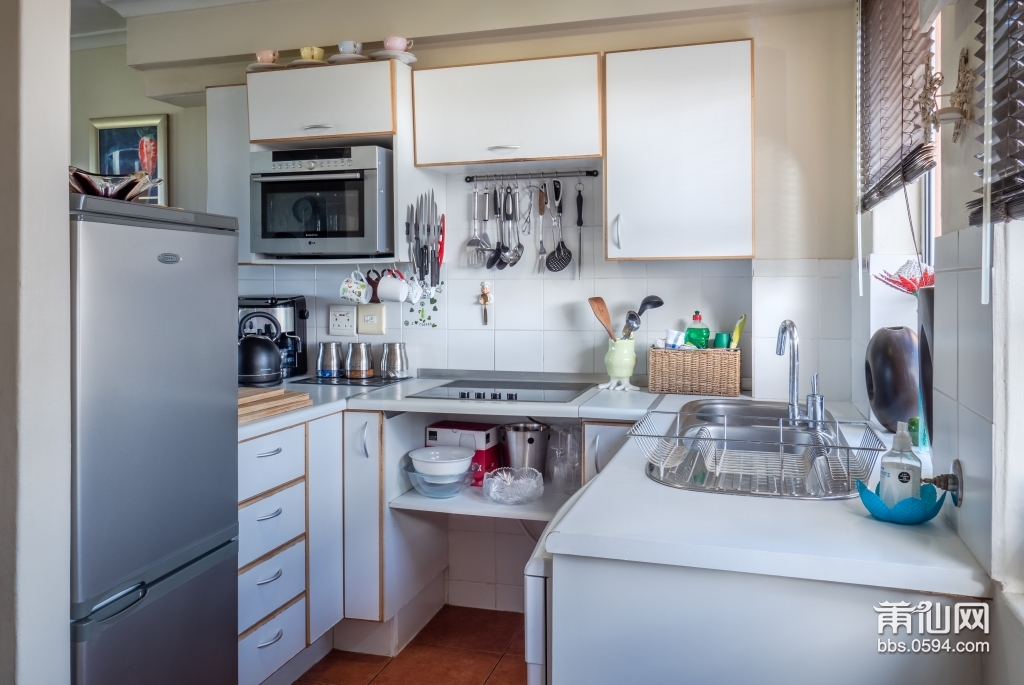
649 302
632 323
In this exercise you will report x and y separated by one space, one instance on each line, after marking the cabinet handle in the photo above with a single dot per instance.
366 450
273 515
308 127
270 453
272 578
618 236
280 634
504 147
597 453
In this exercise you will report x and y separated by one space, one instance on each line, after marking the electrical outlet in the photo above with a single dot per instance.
370 319
342 320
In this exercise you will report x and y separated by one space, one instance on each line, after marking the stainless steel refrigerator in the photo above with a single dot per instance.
154 451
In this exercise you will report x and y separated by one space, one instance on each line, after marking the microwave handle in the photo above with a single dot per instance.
308 177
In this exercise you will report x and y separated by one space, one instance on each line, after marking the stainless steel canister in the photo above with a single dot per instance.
359 360
330 360
393 361
525 444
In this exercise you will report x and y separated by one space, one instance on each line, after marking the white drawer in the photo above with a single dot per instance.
265 588
268 648
270 460
271 522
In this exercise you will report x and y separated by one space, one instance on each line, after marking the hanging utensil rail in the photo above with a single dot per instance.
531 174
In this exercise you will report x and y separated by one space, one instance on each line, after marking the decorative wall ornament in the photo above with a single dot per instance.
960 99
926 101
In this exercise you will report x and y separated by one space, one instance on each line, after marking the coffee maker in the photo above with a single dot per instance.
291 313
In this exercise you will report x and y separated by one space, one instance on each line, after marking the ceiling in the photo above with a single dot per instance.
92 16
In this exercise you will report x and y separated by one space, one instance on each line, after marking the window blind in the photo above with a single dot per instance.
895 147
1007 111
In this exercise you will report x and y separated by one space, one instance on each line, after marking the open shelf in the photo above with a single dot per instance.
471 502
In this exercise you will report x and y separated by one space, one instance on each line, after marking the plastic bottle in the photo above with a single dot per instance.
900 471
697 333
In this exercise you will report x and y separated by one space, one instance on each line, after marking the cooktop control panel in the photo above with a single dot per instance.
506 391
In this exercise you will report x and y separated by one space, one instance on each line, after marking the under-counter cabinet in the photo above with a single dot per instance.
290 540
678 152
601 441
326 102
459 121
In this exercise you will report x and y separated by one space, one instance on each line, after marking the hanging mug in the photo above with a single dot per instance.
415 292
373 278
392 286
355 288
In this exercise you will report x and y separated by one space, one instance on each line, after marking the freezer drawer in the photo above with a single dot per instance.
268 523
271 460
270 646
181 631
270 585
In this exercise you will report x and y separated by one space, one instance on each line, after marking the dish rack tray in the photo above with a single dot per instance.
758 456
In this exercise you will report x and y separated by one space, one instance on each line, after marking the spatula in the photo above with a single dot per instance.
601 312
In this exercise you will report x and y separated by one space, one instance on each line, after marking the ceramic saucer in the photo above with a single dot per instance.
401 56
265 66
345 58
307 63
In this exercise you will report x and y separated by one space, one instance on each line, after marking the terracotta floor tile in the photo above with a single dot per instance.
518 645
345 668
482 630
511 670
428 665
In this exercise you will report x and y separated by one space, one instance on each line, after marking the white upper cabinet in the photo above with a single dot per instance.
508 111
678 158
322 102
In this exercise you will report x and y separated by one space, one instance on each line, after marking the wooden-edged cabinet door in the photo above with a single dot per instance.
363 515
601 441
325 533
458 120
678 152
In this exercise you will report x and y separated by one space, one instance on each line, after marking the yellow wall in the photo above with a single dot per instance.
103 85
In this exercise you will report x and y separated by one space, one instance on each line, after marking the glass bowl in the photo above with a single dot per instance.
513 486
438 487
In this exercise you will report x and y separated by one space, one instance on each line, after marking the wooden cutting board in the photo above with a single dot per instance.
266 413
278 401
248 395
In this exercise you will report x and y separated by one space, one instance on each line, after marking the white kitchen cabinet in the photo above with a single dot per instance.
553 111
272 644
601 441
362 505
269 585
227 159
266 524
326 102
326 590
678 152
270 460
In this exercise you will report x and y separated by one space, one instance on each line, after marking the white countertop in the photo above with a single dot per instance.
327 399
624 515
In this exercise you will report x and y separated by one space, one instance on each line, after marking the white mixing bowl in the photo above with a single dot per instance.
441 460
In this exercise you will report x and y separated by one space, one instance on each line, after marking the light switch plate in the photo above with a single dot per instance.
342 320
370 319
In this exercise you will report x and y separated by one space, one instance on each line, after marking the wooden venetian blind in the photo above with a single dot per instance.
895 148
1007 110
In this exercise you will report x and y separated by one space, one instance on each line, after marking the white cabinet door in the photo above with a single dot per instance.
678 155
552 110
324 531
227 159
362 503
601 441
325 102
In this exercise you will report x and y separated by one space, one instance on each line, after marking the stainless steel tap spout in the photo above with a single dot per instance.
787 329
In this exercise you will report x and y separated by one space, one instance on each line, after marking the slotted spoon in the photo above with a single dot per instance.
561 257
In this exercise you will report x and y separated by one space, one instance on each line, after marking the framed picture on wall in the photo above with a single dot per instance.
124 145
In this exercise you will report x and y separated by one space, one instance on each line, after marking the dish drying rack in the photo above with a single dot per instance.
758 456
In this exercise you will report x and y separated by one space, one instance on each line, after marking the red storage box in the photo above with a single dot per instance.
482 437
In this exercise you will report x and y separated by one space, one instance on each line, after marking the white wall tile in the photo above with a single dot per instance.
426 348
294 272
834 370
858 387
468 594
947 251
566 307
685 268
334 272
292 288
621 295
507 526
974 518
464 310
945 441
569 351
255 272
471 349
682 297
944 364
616 268
860 309
519 350
510 598
771 372
779 298
834 268
785 267
835 316
511 554
471 556
726 268
724 300
969 256
519 305
974 345
472 524
255 288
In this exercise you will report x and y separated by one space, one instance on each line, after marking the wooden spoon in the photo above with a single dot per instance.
601 312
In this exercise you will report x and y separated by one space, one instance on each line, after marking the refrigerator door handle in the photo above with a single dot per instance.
277 512
278 636
119 603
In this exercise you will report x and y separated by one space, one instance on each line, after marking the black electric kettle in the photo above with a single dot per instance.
259 359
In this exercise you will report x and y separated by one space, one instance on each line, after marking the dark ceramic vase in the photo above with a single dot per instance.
890 368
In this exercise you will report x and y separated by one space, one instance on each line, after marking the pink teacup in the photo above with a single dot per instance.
397 43
266 56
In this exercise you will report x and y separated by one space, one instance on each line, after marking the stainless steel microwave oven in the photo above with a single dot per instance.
329 202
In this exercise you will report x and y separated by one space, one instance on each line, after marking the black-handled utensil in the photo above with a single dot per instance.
579 230
649 302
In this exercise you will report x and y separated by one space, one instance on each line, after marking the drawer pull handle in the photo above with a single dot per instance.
280 634
270 453
504 147
307 127
272 578
275 514
366 450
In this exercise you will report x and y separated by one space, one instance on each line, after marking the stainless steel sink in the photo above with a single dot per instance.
753 448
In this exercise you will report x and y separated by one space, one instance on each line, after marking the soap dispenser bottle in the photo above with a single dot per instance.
900 470
697 333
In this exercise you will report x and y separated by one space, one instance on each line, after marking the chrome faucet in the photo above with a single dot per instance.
787 329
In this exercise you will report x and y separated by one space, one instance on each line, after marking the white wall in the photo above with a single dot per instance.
486 558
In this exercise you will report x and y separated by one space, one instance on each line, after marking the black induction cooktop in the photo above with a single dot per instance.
506 391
